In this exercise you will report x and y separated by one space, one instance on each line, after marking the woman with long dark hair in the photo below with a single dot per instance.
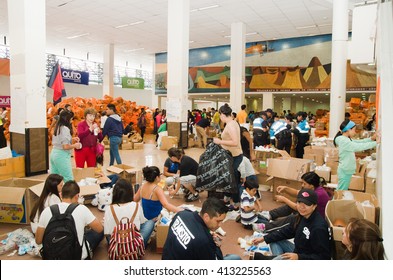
50 195
124 206
347 148
60 157
363 240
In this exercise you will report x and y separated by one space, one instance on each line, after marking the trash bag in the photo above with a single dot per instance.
215 171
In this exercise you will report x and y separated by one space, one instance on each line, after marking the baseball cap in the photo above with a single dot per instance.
308 197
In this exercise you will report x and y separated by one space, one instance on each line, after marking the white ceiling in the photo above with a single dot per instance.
271 19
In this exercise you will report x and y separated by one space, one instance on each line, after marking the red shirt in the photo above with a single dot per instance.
87 137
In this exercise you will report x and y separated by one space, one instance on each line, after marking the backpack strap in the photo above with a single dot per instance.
71 208
135 212
55 210
114 215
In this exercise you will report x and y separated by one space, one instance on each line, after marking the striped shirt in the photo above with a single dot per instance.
247 217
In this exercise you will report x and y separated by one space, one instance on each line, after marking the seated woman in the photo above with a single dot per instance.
310 180
309 230
124 206
152 196
50 196
363 240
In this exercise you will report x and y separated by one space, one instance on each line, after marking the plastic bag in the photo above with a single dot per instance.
215 171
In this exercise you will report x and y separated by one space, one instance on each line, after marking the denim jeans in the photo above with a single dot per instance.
93 238
146 230
232 257
281 247
114 142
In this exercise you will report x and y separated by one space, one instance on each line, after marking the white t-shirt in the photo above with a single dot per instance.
125 210
245 168
52 199
82 217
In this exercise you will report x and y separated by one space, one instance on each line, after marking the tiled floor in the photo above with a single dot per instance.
150 155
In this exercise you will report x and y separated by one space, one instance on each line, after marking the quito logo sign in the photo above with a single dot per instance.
136 83
74 76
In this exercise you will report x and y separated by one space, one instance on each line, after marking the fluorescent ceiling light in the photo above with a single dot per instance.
251 33
205 8
130 24
134 50
306 27
190 42
77 36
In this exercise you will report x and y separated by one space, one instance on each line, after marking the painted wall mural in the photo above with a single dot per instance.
296 64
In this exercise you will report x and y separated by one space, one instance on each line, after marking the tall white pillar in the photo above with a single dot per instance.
339 65
238 45
268 101
178 48
154 98
109 70
26 23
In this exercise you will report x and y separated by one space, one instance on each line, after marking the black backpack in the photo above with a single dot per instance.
60 240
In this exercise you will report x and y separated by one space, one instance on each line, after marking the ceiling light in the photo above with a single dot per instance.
130 24
306 27
77 36
251 33
204 8
134 50
227 36
190 42
326 93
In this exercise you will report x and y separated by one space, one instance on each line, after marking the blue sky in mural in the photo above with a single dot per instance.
206 56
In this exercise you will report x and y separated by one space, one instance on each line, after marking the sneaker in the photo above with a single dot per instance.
192 197
258 227
266 215
238 219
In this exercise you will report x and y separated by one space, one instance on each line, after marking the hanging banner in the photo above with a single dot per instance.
5 101
74 76
135 83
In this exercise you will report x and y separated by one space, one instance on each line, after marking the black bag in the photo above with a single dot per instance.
215 170
60 240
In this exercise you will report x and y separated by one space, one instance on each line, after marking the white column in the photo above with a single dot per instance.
299 106
109 70
178 47
154 97
339 65
238 45
26 23
287 103
268 101
385 151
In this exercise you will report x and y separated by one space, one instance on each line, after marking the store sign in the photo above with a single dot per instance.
136 83
76 77
5 101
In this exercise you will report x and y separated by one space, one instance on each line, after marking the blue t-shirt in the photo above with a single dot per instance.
172 166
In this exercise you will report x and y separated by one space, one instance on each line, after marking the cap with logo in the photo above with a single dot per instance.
308 197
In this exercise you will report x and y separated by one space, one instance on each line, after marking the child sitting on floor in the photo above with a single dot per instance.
250 206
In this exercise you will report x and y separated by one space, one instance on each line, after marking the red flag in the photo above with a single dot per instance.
56 83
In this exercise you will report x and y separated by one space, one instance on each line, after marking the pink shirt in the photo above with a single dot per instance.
87 137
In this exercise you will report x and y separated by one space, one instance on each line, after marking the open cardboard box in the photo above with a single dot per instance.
132 174
12 167
287 167
90 190
343 210
372 209
161 235
17 198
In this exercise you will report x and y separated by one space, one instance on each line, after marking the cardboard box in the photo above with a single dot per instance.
88 191
323 172
127 146
161 235
138 146
168 142
17 198
371 186
12 167
318 159
343 210
294 184
133 175
369 202
287 167
263 155
358 180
